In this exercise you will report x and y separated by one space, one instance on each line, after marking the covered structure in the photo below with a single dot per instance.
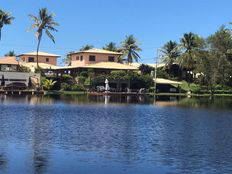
166 85
98 68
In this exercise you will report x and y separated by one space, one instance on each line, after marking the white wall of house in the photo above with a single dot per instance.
22 77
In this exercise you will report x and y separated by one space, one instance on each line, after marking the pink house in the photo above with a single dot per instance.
92 56
43 58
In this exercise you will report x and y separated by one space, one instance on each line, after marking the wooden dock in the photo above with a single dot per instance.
21 92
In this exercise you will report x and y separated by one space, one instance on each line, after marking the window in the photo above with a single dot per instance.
81 58
77 58
31 59
47 59
111 58
92 58
23 59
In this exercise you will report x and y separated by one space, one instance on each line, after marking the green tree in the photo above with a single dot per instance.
220 46
10 53
44 22
48 84
86 47
111 47
146 69
130 49
5 19
189 44
170 53
207 66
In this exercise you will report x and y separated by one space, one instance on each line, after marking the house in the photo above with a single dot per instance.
10 73
43 57
91 56
9 64
99 60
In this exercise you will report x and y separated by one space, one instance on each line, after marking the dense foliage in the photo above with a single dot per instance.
209 59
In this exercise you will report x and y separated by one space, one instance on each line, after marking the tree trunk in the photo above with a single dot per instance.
37 52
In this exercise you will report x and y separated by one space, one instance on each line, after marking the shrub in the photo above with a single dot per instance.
66 77
195 88
81 80
48 83
77 88
84 74
117 75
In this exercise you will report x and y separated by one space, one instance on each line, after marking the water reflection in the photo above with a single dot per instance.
79 134
162 101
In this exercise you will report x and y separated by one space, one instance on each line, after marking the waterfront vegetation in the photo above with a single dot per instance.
207 62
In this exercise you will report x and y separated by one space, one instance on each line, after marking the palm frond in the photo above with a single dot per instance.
50 36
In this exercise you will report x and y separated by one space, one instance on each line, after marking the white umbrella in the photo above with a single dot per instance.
107 87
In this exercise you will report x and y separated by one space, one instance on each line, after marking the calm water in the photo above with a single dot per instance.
79 134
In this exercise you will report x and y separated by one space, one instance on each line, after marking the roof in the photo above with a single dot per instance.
96 51
103 65
166 81
159 65
39 53
10 60
111 65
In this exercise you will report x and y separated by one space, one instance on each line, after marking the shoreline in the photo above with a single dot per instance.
132 94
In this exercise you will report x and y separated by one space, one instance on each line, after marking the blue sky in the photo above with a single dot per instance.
97 22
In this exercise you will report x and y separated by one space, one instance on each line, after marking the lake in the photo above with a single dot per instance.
106 134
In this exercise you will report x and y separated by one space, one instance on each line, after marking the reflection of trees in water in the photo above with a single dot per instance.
3 161
206 102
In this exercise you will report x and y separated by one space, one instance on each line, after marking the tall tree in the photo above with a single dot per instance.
170 54
130 49
187 59
220 45
44 22
10 53
5 19
111 46
86 47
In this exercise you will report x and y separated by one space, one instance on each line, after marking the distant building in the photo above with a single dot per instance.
10 73
82 58
43 57
9 64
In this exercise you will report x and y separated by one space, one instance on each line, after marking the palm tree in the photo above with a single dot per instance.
43 22
10 53
111 46
86 47
188 43
130 48
170 54
48 83
5 19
